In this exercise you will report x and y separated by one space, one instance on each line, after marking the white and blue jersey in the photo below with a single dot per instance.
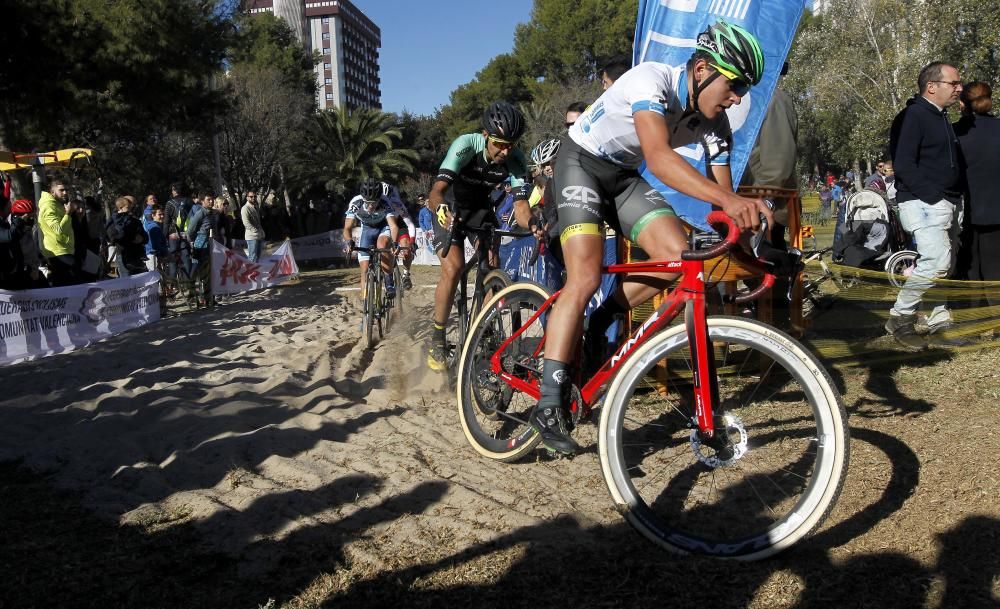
395 203
375 218
607 128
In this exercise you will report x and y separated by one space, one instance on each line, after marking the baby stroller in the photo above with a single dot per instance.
871 237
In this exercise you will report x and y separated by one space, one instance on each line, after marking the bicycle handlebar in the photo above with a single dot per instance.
373 250
718 218
489 231
755 293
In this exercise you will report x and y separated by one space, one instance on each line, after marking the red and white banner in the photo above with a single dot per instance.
233 273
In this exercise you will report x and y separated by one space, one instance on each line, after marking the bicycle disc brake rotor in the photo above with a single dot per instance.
733 451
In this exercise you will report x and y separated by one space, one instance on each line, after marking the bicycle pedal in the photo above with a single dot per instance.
555 454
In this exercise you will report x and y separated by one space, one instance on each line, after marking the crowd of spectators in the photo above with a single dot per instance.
69 238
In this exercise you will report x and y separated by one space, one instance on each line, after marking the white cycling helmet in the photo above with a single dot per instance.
545 151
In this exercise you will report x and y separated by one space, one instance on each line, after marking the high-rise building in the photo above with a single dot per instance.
348 42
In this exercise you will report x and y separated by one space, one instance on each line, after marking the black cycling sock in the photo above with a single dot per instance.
438 335
555 382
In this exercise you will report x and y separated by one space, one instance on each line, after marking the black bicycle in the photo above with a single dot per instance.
487 282
377 303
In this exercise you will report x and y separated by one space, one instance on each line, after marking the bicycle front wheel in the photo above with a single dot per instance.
494 415
371 302
769 477
400 291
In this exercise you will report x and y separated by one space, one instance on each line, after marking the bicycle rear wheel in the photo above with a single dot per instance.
494 415
767 480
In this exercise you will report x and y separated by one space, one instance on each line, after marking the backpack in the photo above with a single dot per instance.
114 232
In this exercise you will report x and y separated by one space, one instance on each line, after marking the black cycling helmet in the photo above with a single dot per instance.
734 51
503 121
371 189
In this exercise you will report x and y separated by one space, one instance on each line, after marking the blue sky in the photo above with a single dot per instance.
430 48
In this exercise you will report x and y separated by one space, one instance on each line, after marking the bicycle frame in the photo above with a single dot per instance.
688 293
480 262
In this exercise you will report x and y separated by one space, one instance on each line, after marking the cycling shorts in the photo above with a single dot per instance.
406 230
369 238
590 191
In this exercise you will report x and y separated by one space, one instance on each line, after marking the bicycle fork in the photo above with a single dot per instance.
706 384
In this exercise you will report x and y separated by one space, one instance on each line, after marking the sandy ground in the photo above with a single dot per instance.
262 427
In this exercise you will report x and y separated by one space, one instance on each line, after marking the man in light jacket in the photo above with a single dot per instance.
253 229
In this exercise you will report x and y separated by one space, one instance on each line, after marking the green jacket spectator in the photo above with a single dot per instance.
56 226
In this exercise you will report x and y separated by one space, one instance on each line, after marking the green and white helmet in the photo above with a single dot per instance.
734 51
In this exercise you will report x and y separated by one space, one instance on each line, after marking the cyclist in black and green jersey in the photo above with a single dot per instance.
476 164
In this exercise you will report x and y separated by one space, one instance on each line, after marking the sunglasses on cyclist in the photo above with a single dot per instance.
739 87
501 144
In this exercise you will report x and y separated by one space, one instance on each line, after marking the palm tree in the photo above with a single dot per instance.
349 146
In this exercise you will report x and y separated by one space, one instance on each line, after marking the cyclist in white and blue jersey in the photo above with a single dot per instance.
654 113
379 228
407 230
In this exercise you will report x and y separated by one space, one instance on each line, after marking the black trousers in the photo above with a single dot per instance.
984 258
64 271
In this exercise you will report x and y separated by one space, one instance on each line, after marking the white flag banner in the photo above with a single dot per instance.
36 323
233 273
323 245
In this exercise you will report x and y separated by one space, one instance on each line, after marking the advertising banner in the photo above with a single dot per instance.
36 323
233 273
666 31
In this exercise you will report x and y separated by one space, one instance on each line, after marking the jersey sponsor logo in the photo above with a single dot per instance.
579 229
653 196
581 193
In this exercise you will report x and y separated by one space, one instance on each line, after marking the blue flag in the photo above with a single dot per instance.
665 32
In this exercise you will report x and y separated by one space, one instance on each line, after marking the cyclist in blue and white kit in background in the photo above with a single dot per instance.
407 230
379 228
653 113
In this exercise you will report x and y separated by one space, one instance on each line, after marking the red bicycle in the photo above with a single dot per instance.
719 435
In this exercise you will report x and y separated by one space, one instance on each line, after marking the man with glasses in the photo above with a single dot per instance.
654 113
475 165
924 151
883 179
573 112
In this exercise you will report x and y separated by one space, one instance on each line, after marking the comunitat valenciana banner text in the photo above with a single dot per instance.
36 323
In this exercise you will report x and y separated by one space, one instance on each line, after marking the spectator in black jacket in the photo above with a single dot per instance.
126 232
175 215
979 145
11 258
924 150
